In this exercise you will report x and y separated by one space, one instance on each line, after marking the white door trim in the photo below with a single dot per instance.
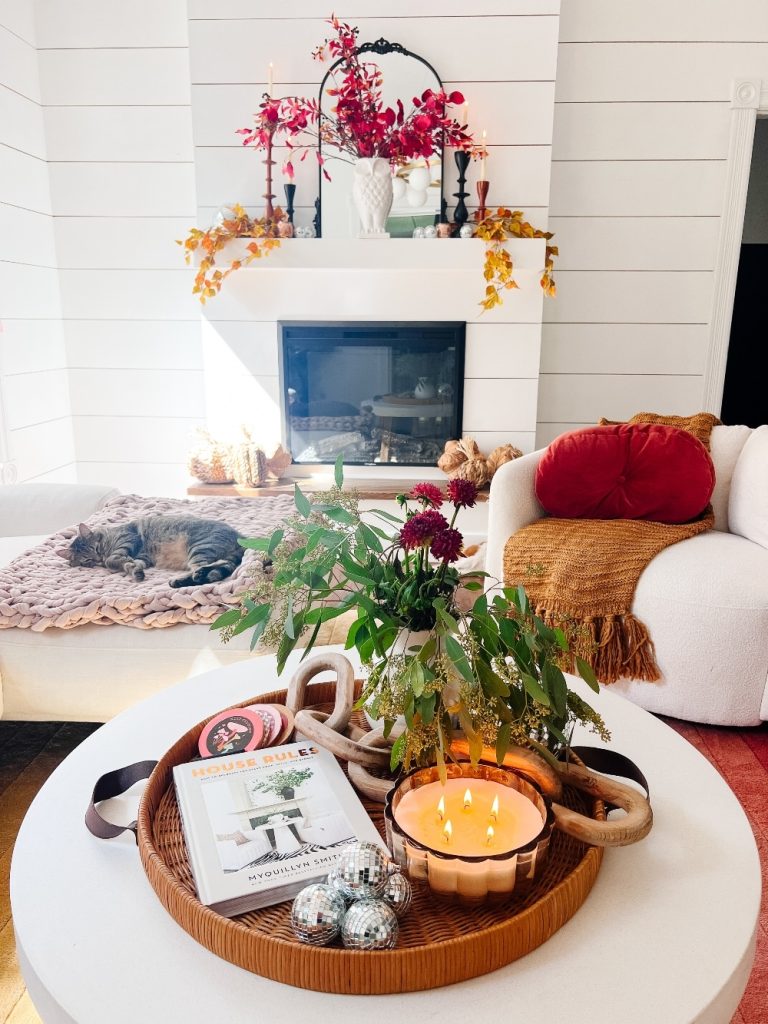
746 104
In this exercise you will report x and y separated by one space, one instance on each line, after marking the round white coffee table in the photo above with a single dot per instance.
667 934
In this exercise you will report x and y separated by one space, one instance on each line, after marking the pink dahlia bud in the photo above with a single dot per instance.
419 530
463 493
430 494
446 545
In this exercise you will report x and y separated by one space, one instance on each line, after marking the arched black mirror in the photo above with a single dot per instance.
416 185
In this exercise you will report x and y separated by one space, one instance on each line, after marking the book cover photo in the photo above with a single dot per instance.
261 825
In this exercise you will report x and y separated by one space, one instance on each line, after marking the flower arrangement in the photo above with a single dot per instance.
496 669
359 125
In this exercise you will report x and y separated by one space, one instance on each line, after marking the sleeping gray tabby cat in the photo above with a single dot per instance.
204 549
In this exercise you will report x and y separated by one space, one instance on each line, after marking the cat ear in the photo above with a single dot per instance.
63 552
84 531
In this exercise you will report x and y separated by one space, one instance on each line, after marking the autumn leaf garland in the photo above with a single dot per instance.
498 270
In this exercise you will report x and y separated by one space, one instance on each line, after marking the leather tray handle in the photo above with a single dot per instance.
338 720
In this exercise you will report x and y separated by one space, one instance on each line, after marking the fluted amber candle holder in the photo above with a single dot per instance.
467 877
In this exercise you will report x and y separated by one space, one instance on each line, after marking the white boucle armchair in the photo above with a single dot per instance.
704 600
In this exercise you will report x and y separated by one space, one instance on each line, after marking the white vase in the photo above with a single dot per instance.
405 639
372 194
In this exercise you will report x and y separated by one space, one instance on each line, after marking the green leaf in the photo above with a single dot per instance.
338 472
228 618
427 708
447 619
427 650
371 539
301 501
257 631
288 625
557 687
456 653
274 540
324 614
586 672
534 689
340 515
493 685
472 585
256 615
502 742
416 677
396 757
254 543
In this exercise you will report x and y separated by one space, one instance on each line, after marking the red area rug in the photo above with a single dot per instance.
741 757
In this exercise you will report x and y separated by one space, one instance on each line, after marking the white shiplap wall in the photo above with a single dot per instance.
502 55
115 87
36 441
639 151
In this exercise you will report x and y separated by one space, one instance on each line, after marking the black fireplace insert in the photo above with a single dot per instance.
376 393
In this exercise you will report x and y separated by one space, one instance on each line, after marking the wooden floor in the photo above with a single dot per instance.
30 751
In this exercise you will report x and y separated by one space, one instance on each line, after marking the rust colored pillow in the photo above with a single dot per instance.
626 471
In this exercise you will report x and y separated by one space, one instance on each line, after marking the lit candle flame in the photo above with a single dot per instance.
467 800
495 809
441 808
448 831
489 835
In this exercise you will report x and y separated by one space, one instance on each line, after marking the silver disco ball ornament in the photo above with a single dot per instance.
304 231
317 914
466 231
336 883
370 924
430 231
362 870
398 894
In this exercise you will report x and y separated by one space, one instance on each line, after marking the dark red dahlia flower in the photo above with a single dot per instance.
463 493
419 530
430 494
446 545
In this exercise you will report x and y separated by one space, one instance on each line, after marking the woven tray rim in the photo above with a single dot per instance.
376 972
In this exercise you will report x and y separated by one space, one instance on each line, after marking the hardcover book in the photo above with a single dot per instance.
261 825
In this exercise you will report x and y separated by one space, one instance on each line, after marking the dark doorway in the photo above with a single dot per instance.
745 396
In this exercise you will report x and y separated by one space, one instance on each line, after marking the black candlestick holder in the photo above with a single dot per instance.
461 215
290 193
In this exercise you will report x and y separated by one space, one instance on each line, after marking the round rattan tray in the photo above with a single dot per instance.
439 943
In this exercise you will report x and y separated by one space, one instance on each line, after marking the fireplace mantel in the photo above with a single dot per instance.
382 254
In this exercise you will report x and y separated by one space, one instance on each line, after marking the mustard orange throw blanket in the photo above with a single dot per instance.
581 574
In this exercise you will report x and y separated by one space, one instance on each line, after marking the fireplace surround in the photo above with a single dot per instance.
377 393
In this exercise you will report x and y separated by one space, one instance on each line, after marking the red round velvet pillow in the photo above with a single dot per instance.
626 471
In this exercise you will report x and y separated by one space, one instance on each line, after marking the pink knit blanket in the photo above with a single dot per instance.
39 589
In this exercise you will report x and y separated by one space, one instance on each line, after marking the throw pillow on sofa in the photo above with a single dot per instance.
626 471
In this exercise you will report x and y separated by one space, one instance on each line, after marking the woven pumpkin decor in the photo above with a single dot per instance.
209 460
463 460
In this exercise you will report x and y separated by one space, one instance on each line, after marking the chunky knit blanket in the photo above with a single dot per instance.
39 589
581 574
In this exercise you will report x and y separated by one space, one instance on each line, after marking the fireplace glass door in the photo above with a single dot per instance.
376 393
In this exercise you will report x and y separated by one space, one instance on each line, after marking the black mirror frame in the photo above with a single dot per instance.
380 46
